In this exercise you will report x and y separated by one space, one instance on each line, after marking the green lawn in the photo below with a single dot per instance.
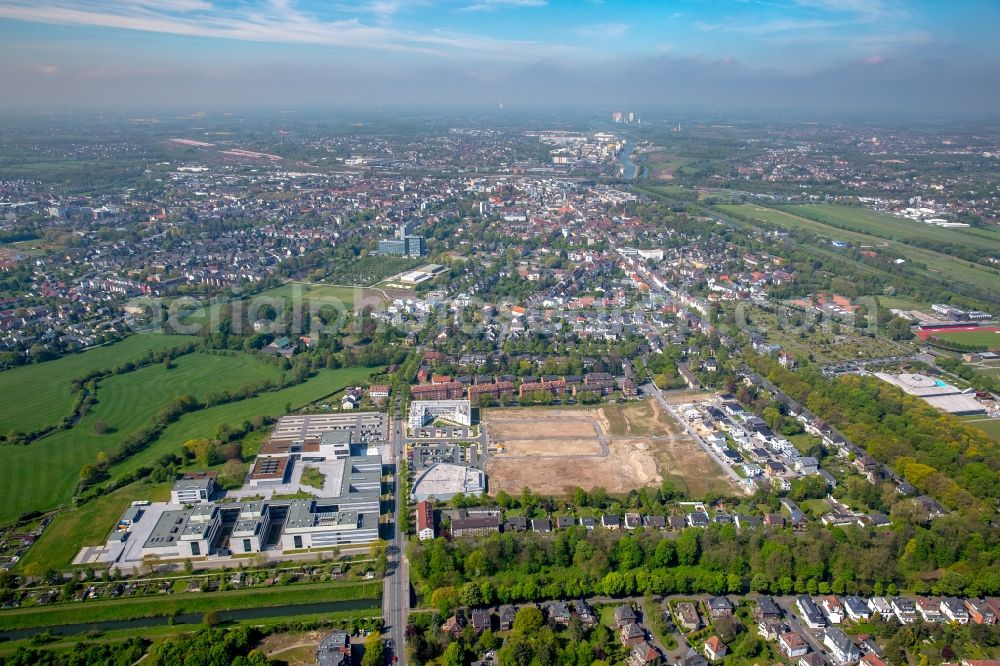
313 477
159 633
39 395
306 297
988 339
324 292
939 266
902 303
203 423
42 475
164 605
990 426
87 525
897 228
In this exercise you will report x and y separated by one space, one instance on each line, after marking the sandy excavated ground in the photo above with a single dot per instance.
628 465
551 447
530 424
554 451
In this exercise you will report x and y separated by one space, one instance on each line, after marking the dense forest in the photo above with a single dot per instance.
953 462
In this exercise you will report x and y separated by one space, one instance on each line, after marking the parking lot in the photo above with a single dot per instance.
443 432
425 454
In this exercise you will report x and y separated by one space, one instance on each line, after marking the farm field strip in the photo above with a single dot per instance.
203 423
44 473
895 228
939 266
36 396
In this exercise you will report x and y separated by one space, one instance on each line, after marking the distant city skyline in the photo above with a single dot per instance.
864 56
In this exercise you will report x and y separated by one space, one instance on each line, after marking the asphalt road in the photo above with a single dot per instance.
651 389
814 637
396 585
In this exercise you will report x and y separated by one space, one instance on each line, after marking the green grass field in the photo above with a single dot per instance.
159 633
988 339
896 228
306 296
939 266
203 423
902 303
123 609
87 525
39 395
42 475
324 292
990 426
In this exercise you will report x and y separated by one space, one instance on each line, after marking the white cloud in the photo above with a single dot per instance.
602 30
766 27
494 5
275 21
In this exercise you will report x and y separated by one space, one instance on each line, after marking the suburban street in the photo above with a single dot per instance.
396 592
651 389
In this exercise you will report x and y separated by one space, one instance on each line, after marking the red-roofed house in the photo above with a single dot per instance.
715 649
425 520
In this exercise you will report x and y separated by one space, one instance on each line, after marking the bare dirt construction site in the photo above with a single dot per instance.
616 447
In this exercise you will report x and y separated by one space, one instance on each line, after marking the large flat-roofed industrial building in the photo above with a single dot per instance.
184 533
251 529
193 488
350 518
936 393
423 412
344 511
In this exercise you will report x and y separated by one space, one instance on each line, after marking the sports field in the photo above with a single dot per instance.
43 474
36 396
988 337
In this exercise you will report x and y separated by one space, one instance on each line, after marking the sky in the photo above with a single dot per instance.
919 57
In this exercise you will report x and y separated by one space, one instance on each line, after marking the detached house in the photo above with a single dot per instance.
792 644
715 649
841 647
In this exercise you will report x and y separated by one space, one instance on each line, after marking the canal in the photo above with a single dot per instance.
239 615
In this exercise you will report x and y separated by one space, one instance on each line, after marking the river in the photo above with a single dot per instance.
196 618
624 160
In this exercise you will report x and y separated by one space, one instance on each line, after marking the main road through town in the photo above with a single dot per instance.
396 592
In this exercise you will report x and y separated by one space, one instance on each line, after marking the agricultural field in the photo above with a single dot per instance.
939 266
36 396
896 228
663 166
44 473
203 423
615 447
